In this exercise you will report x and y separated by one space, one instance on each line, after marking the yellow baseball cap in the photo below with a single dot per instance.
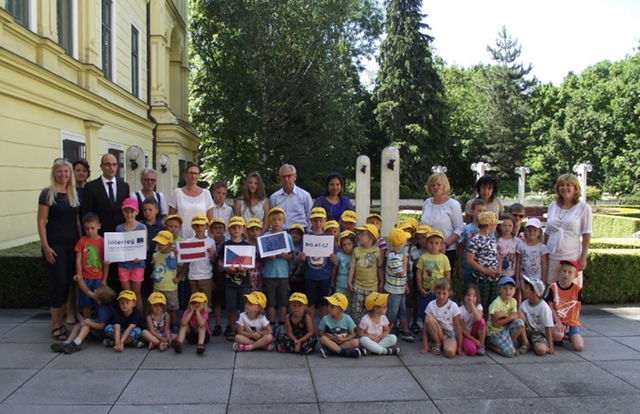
349 216
219 221
173 217
423 229
398 237
331 224
236 221
275 210
299 297
164 237
127 294
412 220
254 222
157 297
257 298
375 216
371 229
376 299
345 234
318 212
488 217
199 219
339 300
404 225
435 233
198 297
297 226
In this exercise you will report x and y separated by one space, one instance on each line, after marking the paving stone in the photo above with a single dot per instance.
29 332
473 382
273 408
380 407
626 370
630 341
492 406
216 356
95 356
24 356
416 358
618 404
569 379
365 384
613 326
256 386
272 360
621 311
606 349
562 355
169 409
177 387
17 315
12 379
54 409
52 386
6 327
333 361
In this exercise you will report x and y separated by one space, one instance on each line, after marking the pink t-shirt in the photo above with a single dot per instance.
193 322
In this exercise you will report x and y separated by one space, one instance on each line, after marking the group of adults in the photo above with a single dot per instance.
69 197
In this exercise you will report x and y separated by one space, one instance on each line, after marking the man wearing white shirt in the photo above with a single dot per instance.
295 201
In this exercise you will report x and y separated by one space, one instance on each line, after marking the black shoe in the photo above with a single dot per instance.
58 346
72 348
415 329
227 331
217 331
407 336
177 346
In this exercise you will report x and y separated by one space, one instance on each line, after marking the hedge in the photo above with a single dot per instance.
612 276
607 243
609 226
24 282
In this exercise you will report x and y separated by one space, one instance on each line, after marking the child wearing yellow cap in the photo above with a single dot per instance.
299 337
201 271
395 276
164 275
254 230
194 325
254 330
158 332
366 274
374 330
337 330
125 329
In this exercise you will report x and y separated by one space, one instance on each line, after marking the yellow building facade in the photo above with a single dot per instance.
80 78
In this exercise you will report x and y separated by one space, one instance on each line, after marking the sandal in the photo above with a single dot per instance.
435 350
200 349
61 334
231 336
415 329
523 349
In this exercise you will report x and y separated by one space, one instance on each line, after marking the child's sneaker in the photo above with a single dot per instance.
325 352
177 346
241 347
109 343
281 330
58 346
365 351
72 348
200 349
353 353
268 347
227 331
407 336
163 346
393 350
152 345
481 351
137 344
415 329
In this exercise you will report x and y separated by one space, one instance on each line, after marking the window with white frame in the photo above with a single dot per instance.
73 146
20 11
64 19
106 31
135 61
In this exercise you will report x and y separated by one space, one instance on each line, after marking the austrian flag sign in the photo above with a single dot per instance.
188 251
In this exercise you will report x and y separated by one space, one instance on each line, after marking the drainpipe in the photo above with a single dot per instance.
154 141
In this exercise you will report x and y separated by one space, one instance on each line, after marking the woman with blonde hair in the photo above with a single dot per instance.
59 230
568 231
253 203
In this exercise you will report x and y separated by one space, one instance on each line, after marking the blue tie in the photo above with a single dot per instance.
112 197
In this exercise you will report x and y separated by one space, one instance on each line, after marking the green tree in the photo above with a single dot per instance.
409 95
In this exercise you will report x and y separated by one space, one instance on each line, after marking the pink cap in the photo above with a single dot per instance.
130 203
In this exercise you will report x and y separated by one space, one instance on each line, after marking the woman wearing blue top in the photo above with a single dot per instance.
334 202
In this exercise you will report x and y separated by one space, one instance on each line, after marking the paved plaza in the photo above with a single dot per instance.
605 378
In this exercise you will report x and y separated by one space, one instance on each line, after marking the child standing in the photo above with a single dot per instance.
337 330
254 230
376 220
565 299
507 244
131 273
194 325
366 273
154 226
469 231
442 323
340 272
317 272
432 266
505 325
174 225
532 256
158 332
165 267
299 337
90 261
201 271
374 330
103 295
125 329
518 212
220 208
297 265
396 281
413 297
332 228
484 259
537 317
236 279
254 330
349 220
474 327
217 232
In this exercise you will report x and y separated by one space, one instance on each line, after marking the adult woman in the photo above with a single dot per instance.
148 177
191 200
81 173
253 203
59 230
487 190
443 213
568 220
333 201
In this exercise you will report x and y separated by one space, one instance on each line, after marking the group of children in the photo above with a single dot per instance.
366 290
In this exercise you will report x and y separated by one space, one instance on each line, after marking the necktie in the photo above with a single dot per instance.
112 197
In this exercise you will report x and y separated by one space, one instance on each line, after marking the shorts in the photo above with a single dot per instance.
97 334
397 308
234 296
537 337
217 295
569 331
172 299
316 290
92 284
135 334
277 291
192 336
423 302
202 285
130 275
502 340
411 299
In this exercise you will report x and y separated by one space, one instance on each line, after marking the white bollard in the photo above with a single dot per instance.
581 171
363 187
522 173
480 168
389 188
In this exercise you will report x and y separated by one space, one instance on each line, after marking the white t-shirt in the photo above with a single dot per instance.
252 325
187 207
445 217
565 227
538 316
445 314
467 318
371 328
202 269
531 265
507 251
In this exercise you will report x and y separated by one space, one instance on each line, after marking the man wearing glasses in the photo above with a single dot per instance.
295 201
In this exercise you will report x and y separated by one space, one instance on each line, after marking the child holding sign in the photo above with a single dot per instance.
317 274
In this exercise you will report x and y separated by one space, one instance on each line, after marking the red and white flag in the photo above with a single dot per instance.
189 251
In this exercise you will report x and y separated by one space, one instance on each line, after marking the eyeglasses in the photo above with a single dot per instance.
193 173
287 176
519 216
149 180
110 164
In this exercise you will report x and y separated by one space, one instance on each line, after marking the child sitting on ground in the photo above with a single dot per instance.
90 261
505 325
254 330
126 322
337 330
194 325
374 330
565 299
474 327
442 323
299 337
158 332
395 285
537 317
103 295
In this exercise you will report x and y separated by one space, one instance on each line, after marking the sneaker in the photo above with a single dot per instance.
163 346
482 351
58 346
217 331
72 348
152 346
407 336
227 331
109 343
365 351
240 347
393 350
325 352
268 347
415 329
353 353
200 349
177 346
137 344
558 343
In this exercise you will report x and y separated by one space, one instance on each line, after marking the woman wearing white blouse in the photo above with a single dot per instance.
568 230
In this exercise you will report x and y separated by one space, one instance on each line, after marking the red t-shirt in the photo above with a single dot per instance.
92 257
565 302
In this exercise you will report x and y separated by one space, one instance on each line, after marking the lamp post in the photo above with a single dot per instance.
480 168
522 172
581 171
439 169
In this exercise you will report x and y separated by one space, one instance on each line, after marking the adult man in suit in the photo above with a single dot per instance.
104 196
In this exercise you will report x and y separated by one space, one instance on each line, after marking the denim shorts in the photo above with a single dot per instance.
92 284
397 307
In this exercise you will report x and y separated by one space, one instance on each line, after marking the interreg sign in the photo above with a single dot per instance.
124 247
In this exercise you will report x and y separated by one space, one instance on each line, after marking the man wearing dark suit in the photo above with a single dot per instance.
104 196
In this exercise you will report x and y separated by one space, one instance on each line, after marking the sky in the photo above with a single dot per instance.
556 36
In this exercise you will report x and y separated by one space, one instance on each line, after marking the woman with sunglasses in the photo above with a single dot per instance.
148 177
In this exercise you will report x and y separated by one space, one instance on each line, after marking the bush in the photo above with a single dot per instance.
632 199
409 213
611 276
25 282
593 193
614 244
610 226
619 211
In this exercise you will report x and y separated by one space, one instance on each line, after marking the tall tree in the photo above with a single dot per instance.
409 95
277 82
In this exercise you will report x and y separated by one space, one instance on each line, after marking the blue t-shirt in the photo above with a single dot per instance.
277 268
343 262
318 268
336 328
131 264
106 314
